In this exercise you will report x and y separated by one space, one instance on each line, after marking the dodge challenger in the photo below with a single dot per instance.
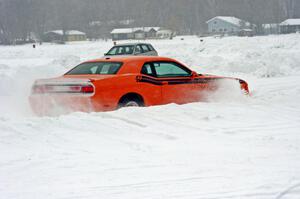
112 82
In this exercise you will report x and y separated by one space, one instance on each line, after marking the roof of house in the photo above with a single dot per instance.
69 32
164 31
291 22
122 30
132 30
233 20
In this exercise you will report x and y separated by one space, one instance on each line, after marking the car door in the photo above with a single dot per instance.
176 82
150 87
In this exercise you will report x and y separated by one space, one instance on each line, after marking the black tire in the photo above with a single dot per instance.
130 102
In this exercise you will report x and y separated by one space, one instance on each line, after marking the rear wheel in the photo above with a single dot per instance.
131 102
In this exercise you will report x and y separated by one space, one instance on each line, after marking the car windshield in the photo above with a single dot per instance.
96 68
121 50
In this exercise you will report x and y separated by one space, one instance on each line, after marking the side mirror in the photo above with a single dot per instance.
194 75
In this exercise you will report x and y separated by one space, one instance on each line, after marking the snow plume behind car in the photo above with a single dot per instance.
15 88
227 90
16 82
57 91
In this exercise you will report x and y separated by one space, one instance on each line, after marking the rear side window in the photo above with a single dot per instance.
138 49
151 48
145 48
147 70
96 68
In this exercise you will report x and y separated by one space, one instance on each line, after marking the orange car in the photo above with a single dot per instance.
108 83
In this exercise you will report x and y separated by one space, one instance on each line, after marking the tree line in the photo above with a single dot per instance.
20 18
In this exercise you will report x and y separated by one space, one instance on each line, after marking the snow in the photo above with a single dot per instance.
230 147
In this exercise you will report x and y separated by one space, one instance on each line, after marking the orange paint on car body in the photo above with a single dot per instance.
153 80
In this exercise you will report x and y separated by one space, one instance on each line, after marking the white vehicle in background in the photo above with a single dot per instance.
135 49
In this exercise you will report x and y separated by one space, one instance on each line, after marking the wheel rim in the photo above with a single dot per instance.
132 104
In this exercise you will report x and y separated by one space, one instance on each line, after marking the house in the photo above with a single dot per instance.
227 25
165 34
246 33
134 33
58 35
290 26
102 29
122 34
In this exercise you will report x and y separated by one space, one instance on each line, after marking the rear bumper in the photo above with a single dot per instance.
60 104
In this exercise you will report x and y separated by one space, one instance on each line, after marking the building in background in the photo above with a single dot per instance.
134 33
102 29
229 25
58 35
290 26
165 34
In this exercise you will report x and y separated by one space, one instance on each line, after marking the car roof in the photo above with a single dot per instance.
131 44
131 58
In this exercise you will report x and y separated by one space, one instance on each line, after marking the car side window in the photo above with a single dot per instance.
105 68
138 49
121 50
150 47
170 69
145 48
128 50
113 51
147 70
93 70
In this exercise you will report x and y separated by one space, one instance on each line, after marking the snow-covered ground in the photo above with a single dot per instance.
241 147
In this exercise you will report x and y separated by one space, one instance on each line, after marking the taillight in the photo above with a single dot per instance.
75 89
87 89
244 86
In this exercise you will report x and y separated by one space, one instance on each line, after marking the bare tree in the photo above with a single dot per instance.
20 17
